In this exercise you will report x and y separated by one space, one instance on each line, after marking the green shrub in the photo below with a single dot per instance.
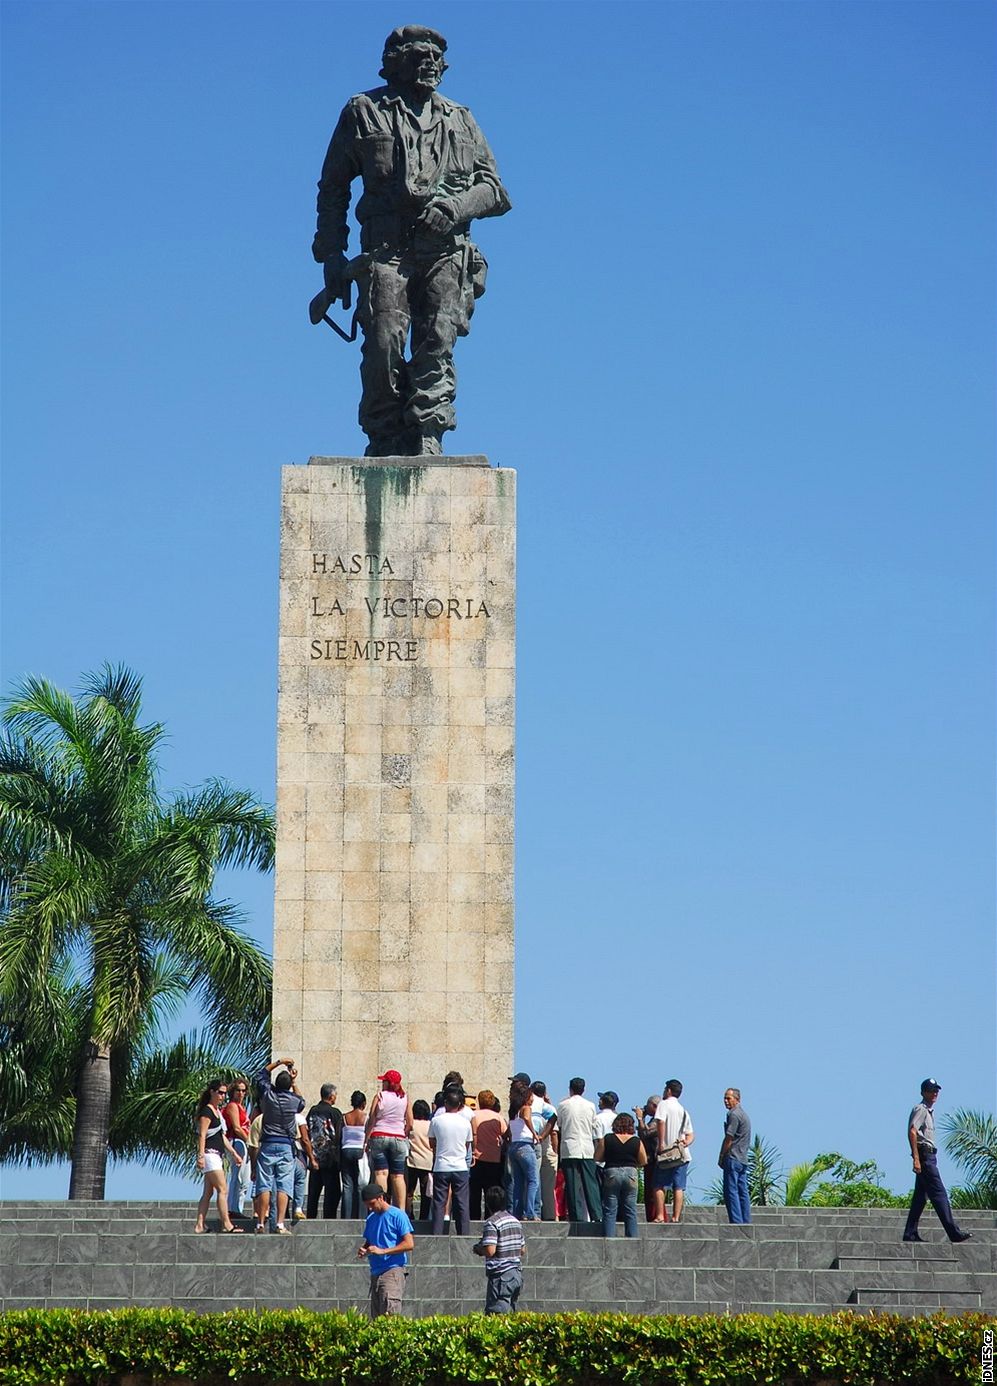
133 1347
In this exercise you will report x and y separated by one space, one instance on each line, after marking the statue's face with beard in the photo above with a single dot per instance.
417 69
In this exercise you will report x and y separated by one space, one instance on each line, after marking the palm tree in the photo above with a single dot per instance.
971 1140
108 925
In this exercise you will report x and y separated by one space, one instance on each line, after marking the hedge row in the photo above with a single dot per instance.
68 1347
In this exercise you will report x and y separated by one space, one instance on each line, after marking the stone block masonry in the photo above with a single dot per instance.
393 922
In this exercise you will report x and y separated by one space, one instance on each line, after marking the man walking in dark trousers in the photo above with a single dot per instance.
928 1186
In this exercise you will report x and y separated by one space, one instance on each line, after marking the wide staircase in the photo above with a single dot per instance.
795 1260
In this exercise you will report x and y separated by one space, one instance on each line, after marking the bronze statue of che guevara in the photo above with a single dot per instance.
427 174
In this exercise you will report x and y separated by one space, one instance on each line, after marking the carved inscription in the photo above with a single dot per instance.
378 648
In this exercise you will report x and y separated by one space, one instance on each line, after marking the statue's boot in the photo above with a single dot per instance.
387 445
428 443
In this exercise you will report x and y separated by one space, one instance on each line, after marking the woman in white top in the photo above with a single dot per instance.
351 1148
522 1157
212 1144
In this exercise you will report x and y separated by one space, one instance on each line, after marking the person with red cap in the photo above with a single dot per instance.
388 1128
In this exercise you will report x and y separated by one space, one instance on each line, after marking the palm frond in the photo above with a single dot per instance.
154 1121
44 713
28 951
211 827
228 971
37 1072
800 1177
979 1195
118 686
764 1172
39 1133
971 1140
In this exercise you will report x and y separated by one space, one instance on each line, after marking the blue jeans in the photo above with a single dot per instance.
299 1197
388 1152
619 1185
275 1166
736 1199
239 1178
275 1170
525 1178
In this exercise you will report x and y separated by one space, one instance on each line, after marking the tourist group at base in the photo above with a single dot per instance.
466 1158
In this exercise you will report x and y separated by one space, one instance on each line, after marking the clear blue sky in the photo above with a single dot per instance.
739 344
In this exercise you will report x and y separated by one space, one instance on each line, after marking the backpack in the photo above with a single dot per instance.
322 1134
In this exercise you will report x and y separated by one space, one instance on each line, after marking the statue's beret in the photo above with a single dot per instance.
413 33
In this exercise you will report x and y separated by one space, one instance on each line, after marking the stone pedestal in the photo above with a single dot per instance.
393 927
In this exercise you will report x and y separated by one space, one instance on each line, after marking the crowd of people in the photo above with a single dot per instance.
466 1156
576 1161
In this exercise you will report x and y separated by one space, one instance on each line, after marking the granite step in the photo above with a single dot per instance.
796 1260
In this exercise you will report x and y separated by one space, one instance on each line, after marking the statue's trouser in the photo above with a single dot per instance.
417 396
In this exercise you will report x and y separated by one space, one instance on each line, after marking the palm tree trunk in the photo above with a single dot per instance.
93 1119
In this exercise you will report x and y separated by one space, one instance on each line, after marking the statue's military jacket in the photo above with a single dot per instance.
404 167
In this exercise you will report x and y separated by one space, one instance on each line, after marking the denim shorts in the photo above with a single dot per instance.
388 1152
275 1170
676 1178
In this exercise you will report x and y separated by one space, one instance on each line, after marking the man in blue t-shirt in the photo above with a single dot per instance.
387 1240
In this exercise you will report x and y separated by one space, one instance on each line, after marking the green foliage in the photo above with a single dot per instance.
851 1185
971 1140
107 927
764 1173
60 1347
800 1177
856 1193
764 1176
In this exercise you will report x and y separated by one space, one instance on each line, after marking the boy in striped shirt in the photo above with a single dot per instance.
503 1247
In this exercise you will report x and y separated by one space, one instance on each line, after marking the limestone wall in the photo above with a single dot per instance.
393 926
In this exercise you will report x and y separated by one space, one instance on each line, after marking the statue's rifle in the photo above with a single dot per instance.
318 309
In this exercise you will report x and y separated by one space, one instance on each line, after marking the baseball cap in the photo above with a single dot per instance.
931 1085
613 1097
521 1078
371 1191
390 1075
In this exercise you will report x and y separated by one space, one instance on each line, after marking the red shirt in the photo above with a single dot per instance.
230 1129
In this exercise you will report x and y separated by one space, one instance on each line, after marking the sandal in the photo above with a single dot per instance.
200 1230
230 1228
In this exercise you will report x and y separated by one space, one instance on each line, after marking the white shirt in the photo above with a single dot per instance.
576 1123
604 1121
669 1115
452 1133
